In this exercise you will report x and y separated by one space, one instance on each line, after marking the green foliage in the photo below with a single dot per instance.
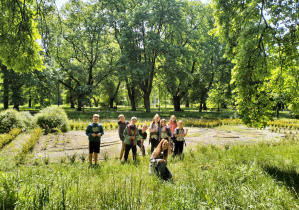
52 119
11 118
264 48
7 138
19 49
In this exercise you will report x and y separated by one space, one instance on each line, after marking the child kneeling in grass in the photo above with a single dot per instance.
131 135
94 131
158 161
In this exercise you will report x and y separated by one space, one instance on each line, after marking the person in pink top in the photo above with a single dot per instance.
172 124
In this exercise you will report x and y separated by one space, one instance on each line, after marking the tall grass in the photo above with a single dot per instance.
250 176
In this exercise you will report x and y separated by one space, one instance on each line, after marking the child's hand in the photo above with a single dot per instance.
99 135
94 135
132 137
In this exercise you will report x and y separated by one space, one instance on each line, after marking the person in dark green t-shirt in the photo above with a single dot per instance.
94 131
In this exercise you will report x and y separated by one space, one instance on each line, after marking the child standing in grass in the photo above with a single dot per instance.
165 133
172 123
154 132
143 134
131 135
94 131
158 161
122 124
179 140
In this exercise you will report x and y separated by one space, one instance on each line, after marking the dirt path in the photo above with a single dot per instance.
57 146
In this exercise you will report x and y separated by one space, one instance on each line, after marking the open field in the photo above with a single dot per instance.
226 167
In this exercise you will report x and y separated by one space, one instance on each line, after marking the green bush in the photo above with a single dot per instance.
51 118
11 118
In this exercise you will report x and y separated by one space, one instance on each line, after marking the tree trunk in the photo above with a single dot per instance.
112 98
147 103
80 97
177 103
131 93
72 104
96 102
5 92
205 106
202 101
5 86
30 100
187 103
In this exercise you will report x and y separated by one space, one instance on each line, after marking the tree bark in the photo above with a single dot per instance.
132 95
112 98
5 86
177 103
30 99
80 103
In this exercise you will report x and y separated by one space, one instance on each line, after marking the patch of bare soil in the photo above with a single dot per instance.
57 146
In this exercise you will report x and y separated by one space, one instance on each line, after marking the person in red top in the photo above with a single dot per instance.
172 123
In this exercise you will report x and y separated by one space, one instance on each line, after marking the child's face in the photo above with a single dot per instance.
180 125
95 119
172 118
144 127
122 119
133 122
163 123
164 145
157 118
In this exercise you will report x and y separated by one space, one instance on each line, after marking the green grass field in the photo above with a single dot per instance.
254 176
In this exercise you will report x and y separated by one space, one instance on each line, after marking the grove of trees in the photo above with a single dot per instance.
233 53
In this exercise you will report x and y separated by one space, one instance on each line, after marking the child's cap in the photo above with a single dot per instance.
121 115
96 115
134 118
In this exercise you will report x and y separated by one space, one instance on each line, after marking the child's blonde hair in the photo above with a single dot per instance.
174 118
121 115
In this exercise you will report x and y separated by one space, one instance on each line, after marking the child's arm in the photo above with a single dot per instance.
87 131
101 131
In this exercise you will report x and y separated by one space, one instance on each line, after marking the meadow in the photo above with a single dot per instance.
259 175
252 176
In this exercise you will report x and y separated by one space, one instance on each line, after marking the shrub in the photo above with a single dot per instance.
28 120
10 119
7 138
52 118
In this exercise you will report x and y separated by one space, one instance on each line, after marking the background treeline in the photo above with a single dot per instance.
129 52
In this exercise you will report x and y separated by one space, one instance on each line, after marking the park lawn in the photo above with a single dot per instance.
259 176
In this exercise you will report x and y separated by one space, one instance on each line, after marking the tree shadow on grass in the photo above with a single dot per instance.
288 177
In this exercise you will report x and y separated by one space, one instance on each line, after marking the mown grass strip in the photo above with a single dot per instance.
8 137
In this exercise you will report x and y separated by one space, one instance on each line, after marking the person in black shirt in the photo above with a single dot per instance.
140 143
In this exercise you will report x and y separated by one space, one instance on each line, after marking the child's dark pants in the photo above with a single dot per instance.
154 144
178 147
127 150
139 145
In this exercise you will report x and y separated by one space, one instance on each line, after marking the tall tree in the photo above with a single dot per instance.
262 39
80 46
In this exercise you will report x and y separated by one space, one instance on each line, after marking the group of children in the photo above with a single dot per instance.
164 139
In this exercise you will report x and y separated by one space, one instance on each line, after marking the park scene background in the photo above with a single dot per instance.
228 69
